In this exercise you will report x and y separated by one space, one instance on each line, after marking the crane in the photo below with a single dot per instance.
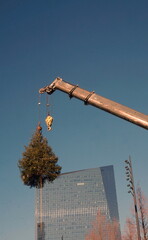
98 101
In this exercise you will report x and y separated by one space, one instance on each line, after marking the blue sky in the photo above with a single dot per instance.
100 45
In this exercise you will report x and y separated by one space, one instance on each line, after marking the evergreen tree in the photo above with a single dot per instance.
38 163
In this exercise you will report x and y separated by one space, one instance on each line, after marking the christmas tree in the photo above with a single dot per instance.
38 163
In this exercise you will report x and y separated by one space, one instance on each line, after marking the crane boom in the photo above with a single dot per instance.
98 101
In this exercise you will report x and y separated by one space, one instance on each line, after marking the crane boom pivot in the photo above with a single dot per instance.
98 101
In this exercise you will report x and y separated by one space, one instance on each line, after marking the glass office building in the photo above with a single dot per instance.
66 208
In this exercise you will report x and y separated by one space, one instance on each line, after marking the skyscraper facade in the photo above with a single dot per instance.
66 208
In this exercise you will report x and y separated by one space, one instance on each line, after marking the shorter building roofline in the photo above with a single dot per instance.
85 170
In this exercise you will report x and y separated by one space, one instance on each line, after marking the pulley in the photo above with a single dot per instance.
49 120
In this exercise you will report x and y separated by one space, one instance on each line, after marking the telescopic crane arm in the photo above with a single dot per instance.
98 101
